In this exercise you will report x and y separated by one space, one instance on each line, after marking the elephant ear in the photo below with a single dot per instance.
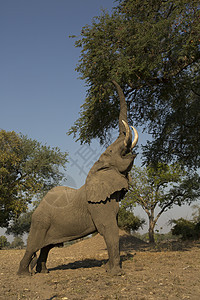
102 184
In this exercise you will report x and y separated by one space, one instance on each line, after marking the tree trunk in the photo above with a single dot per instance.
151 230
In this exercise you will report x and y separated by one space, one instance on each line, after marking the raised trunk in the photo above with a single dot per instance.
123 108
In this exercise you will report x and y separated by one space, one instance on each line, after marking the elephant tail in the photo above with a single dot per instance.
33 261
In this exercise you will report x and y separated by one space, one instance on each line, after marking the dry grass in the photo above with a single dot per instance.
169 271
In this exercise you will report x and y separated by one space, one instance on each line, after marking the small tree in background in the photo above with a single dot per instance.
17 242
3 241
187 229
127 220
20 225
196 213
27 169
184 228
161 188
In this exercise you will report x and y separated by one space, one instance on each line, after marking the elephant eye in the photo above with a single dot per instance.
110 150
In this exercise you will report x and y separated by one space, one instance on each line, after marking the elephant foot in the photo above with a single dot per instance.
44 271
116 271
113 271
106 266
23 272
41 269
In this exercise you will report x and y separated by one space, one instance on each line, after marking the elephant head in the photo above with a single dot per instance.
110 173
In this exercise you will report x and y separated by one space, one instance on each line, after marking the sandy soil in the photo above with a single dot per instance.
170 271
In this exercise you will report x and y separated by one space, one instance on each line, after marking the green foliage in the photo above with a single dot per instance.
17 243
151 48
27 169
127 221
186 229
20 225
3 242
161 187
164 186
196 213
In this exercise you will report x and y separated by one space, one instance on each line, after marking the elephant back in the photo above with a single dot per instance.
59 196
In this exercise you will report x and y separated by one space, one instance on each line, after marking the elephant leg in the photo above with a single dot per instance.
33 245
24 264
33 263
41 262
111 237
104 217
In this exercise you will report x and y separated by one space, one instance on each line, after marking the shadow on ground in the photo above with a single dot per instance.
88 263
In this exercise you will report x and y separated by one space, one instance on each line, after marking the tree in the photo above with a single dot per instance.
3 241
161 188
20 225
196 213
17 243
187 229
151 49
127 220
27 169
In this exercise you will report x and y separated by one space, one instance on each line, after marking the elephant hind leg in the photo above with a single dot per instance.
35 240
41 262
33 262
24 264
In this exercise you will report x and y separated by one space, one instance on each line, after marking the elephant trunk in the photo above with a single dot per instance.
123 109
123 120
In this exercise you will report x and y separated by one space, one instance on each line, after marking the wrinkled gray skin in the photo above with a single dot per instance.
66 214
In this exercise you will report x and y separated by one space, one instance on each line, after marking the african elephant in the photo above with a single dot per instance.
66 214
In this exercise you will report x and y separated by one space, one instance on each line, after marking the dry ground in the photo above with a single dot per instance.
77 272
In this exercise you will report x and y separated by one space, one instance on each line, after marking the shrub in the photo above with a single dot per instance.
186 229
3 242
17 243
127 221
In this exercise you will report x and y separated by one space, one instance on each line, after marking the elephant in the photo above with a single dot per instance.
67 214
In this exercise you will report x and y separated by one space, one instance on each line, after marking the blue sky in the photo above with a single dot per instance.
40 92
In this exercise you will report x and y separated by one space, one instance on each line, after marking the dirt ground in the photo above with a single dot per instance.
169 271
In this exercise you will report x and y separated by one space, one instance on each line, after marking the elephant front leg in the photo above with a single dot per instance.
111 237
104 217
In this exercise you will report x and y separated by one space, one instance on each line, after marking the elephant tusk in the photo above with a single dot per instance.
135 138
127 133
